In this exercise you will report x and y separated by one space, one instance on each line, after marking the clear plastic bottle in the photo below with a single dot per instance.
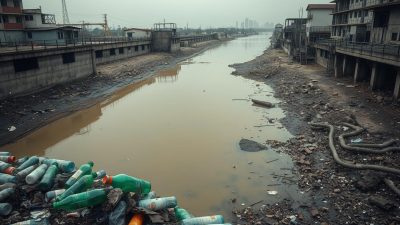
5 153
82 200
128 184
21 160
150 195
158 203
8 159
5 209
64 165
33 222
101 174
81 185
52 194
36 175
25 172
85 169
29 162
218 219
48 178
4 194
5 178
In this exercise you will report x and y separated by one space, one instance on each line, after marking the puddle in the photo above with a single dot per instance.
181 130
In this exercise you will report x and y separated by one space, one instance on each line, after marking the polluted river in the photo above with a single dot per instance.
180 129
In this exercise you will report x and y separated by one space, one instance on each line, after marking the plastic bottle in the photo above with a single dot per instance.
21 160
4 194
117 216
81 185
182 214
218 219
82 200
29 162
25 172
150 195
137 219
101 174
48 178
8 159
64 165
5 153
33 222
158 203
36 174
5 209
128 184
6 168
52 194
85 169
5 178
7 185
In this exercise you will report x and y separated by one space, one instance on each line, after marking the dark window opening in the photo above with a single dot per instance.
5 18
29 34
18 19
143 47
136 48
28 17
3 2
381 19
121 50
99 54
21 65
60 35
112 51
394 36
129 48
68 57
16 3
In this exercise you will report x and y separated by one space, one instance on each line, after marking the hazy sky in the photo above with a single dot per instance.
144 13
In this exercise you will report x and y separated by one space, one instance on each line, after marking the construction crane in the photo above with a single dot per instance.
84 25
65 12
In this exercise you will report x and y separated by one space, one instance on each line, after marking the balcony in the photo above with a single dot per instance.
370 4
13 10
13 26
320 29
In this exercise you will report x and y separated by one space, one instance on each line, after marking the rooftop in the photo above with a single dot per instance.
139 29
321 6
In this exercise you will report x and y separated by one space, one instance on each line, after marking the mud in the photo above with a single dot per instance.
308 93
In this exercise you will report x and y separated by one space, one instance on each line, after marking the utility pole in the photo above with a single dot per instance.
65 13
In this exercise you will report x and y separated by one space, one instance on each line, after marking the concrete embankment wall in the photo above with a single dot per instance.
26 72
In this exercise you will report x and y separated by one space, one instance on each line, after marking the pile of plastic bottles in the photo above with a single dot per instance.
78 191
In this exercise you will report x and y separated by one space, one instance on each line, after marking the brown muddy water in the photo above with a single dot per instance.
180 130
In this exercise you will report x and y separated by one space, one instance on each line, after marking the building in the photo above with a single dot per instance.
365 44
276 39
137 33
352 20
319 21
295 39
32 26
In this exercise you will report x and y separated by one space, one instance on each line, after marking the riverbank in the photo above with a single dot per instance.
21 115
339 195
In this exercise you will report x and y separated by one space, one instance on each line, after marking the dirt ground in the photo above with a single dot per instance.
339 195
22 114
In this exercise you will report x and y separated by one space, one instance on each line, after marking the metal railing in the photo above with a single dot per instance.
320 29
23 46
380 2
364 48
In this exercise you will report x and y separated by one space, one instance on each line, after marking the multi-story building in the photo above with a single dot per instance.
352 20
365 44
295 38
31 25
319 21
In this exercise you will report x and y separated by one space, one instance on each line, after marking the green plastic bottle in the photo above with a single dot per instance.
48 178
182 214
85 169
81 185
128 184
82 200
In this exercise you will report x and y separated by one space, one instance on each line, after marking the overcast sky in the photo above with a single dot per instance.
204 13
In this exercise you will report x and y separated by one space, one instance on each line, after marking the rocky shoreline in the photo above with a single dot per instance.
339 195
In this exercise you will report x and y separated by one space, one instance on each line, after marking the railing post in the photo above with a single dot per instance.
32 45
44 44
16 47
383 52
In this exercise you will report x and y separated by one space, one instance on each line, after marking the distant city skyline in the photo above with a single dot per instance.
195 13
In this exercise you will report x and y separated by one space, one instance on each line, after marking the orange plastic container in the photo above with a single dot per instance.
137 219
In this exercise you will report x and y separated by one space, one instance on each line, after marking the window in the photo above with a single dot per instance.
112 51
60 35
29 34
143 47
28 17
21 65
5 19
68 57
3 2
16 3
136 48
394 36
99 54
76 34
18 19
121 50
